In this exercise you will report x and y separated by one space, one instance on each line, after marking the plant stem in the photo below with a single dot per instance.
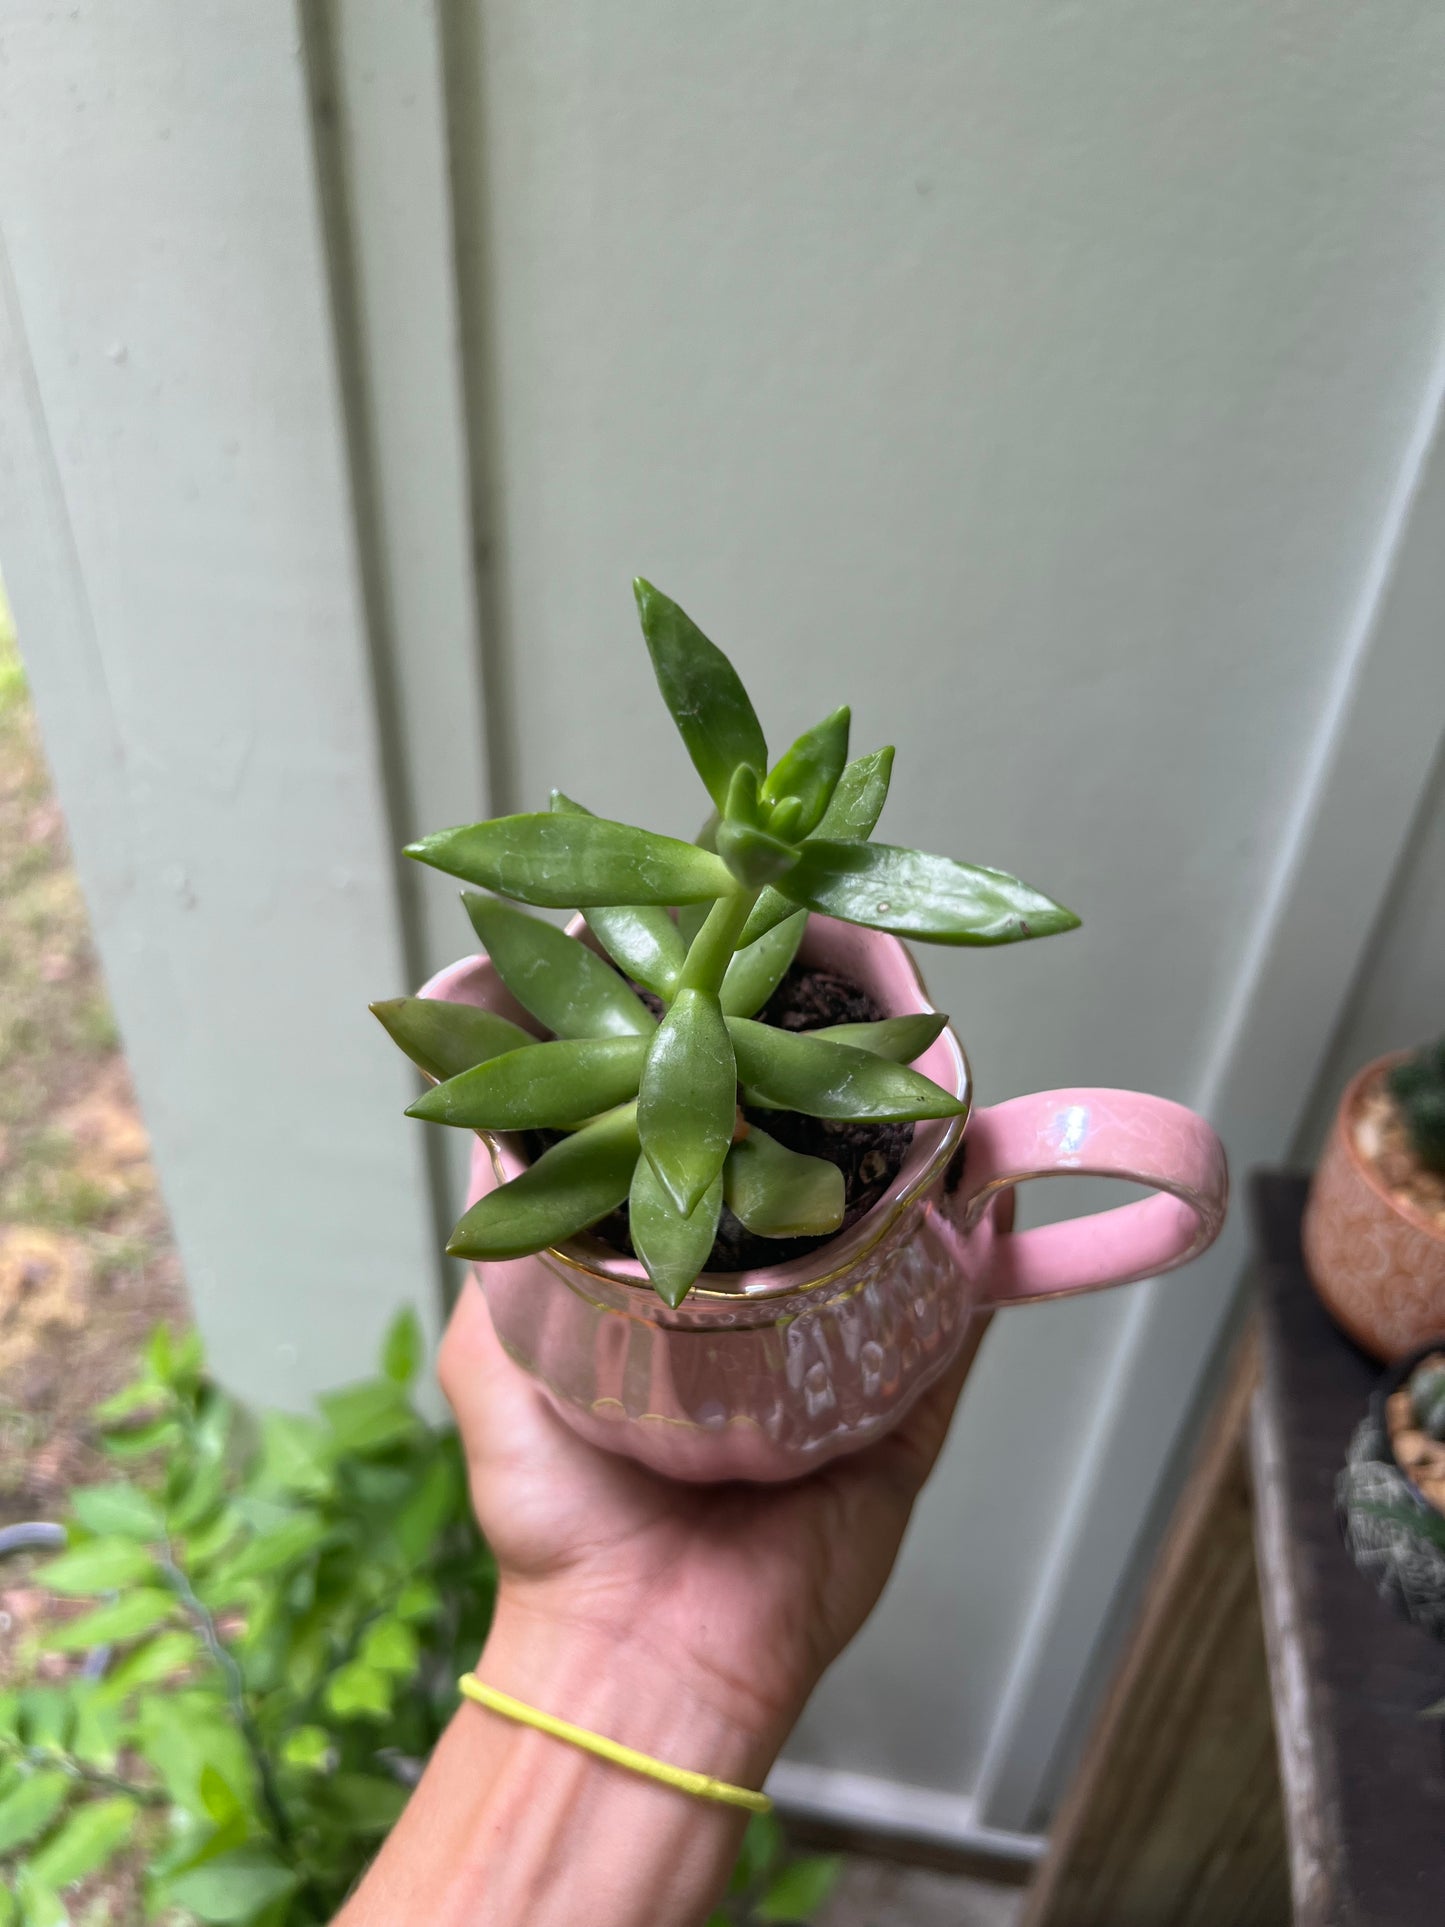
713 946
44 1756
225 1660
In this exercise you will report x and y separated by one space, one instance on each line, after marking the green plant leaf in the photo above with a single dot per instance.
40 1906
779 1193
141 1441
703 693
755 972
235 1886
139 1396
903 1039
358 1691
390 1646
569 1187
564 984
92 1835
640 938
856 806
643 941
102 1565
370 1416
297 1454
284 1545
29 1809
674 1248
365 1803
798 1071
445 1039
800 1889
761 1850
810 770
124 1618
431 1507
753 856
914 895
46 1715
857 801
308 1749
687 1106
744 802
158 1659
402 1348
120 1510
546 1085
568 862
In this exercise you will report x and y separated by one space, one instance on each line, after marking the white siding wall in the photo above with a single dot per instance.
1051 384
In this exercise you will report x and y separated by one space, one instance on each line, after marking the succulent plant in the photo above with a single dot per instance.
1417 1085
1427 1397
651 1108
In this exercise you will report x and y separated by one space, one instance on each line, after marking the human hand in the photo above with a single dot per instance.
743 1594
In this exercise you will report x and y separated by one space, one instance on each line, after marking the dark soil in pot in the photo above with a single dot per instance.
870 1156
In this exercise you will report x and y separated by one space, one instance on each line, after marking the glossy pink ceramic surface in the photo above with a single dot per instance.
767 1374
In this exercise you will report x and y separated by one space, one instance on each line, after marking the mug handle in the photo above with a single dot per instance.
1092 1133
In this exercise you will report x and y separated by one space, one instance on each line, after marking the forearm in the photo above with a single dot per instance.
509 1825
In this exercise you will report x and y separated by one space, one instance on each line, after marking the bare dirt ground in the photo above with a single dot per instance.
87 1267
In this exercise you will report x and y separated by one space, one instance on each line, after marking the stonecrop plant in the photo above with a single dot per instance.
652 1107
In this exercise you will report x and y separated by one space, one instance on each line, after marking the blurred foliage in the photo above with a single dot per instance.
277 1609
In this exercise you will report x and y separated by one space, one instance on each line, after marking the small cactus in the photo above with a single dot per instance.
1418 1086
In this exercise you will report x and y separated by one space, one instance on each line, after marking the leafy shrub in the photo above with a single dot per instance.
279 1608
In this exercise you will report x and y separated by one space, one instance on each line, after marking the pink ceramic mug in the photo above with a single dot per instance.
768 1374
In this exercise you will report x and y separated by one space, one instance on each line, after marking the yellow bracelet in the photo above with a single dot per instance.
701 1785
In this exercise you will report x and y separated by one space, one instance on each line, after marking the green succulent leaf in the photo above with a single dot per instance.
852 814
811 769
903 1039
563 984
104 1565
444 1039
565 862
687 1105
914 895
756 971
780 1193
857 801
545 1086
569 1188
702 691
640 938
753 856
674 1248
743 805
798 1071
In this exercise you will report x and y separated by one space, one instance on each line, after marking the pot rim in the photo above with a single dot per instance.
1344 1118
817 1269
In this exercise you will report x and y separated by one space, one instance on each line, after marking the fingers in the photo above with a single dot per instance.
490 1397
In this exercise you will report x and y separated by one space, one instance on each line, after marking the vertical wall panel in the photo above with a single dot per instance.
176 532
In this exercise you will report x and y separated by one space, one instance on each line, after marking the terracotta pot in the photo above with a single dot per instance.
767 1374
1377 1262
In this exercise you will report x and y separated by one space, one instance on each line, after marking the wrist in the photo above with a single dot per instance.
632 1683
